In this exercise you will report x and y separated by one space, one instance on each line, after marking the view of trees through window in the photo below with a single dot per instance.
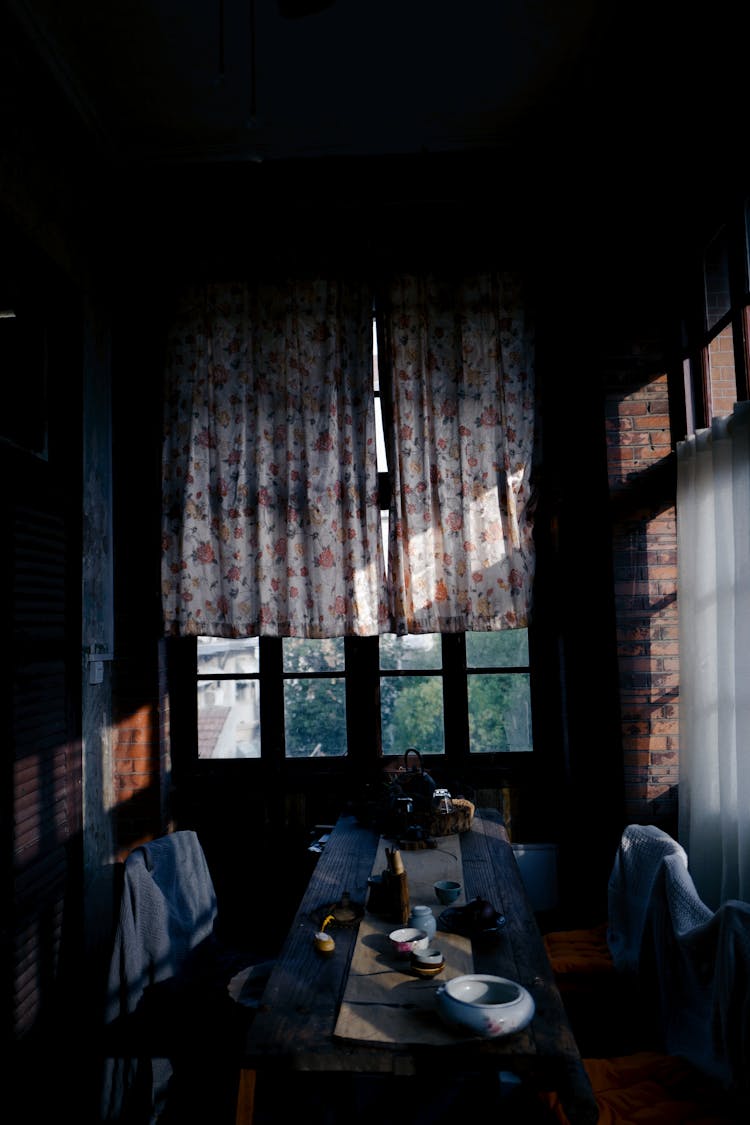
415 687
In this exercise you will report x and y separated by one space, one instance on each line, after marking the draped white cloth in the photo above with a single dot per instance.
688 966
713 543
631 883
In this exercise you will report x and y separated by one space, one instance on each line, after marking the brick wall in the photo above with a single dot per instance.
644 541
723 379
136 750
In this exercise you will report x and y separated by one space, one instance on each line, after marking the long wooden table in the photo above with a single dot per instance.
293 1030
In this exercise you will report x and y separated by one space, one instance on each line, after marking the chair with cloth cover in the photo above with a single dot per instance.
172 1031
595 967
695 962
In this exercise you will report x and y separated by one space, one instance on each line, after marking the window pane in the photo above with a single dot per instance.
228 719
506 649
379 431
315 718
499 713
301 655
412 652
722 379
411 714
217 654
716 279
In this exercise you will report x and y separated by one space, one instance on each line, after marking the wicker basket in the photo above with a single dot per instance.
438 823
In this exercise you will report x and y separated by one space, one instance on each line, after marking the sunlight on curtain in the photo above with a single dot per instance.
713 526
462 395
271 516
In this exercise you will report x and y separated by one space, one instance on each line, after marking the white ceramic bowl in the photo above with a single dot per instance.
485 1005
427 956
407 939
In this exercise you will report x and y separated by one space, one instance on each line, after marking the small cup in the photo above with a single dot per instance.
427 962
407 939
430 956
447 891
324 943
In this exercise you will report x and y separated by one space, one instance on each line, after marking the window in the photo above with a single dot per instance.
499 691
314 689
228 698
301 699
436 693
716 370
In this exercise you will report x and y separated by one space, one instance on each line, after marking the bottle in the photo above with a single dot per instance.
441 801
422 918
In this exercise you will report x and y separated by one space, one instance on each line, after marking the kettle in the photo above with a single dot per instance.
414 782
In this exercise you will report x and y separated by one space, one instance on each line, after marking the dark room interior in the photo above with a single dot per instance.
596 152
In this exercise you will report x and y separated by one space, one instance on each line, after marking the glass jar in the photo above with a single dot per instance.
441 801
422 918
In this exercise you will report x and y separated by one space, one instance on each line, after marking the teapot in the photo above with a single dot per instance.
477 917
480 912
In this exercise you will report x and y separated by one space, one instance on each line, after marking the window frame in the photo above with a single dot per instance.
362 676
700 332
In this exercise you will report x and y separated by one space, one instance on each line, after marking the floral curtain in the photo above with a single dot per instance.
271 516
461 361
271 520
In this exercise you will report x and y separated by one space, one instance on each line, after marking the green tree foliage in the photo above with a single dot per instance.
412 706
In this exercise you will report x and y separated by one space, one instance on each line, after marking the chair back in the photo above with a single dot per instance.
639 855
700 962
677 964
167 909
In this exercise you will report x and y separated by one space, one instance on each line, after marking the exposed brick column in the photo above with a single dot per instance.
644 545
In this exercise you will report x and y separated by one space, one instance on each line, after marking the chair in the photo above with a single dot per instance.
696 963
615 943
172 1031
629 891
677 964
730 996
650 1087
596 967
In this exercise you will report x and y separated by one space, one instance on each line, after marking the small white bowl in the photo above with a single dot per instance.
485 1005
427 956
408 939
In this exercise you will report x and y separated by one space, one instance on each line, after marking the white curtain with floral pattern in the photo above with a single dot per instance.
461 445
271 519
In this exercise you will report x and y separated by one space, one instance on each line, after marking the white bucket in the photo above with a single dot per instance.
538 866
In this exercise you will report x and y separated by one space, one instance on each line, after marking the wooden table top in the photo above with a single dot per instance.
293 1028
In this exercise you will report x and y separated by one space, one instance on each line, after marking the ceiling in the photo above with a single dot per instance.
588 129
568 99
245 80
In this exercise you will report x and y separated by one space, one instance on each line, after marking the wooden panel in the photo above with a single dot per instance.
42 793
